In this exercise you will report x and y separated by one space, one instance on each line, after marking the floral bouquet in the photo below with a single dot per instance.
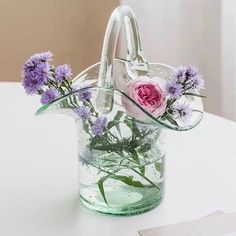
161 100
121 154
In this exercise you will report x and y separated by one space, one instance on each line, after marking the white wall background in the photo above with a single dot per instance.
228 47
199 32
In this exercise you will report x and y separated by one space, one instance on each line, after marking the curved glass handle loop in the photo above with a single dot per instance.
136 61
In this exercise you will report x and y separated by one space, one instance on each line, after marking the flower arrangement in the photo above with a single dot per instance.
106 137
39 77
162 101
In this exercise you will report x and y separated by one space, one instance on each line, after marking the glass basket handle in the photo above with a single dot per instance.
136 62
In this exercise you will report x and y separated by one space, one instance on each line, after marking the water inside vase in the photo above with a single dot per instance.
122 197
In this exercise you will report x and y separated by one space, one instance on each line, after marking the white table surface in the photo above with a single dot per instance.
38 174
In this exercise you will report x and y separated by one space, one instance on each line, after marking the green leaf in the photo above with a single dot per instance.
133 143
145 147
128 180
134 154
93 142
116 120
170 119
101 187
125 179
65 104
86 127
112 124
118 115
101 144
196 95
118 129
99 141
159 167
135 130
170 102
142 170
121 162
131 123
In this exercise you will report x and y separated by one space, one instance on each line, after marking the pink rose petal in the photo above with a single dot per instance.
149 94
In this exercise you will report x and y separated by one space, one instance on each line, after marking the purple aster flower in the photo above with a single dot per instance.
183 73
36 72
99 125
84 94
62 72
82 112
180 73
31 85
35 76
197 82
43 57
191 71
29 67
173 89
42 71
182 111
49 95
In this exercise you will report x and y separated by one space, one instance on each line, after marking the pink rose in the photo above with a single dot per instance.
148 94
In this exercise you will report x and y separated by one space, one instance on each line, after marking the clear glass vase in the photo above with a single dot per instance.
121 162
121 158
121 155
121 172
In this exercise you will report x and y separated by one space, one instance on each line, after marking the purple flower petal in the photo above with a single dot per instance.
41 57
197 82
31 85
62 72
84 94
99 125
49 95
82 112
36 72
180 73
191 71
182 111
184 73
173 89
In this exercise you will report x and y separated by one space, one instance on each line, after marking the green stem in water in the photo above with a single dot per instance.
144 177
113 173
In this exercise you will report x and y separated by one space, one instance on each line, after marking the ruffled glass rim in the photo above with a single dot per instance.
161 69
154 120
